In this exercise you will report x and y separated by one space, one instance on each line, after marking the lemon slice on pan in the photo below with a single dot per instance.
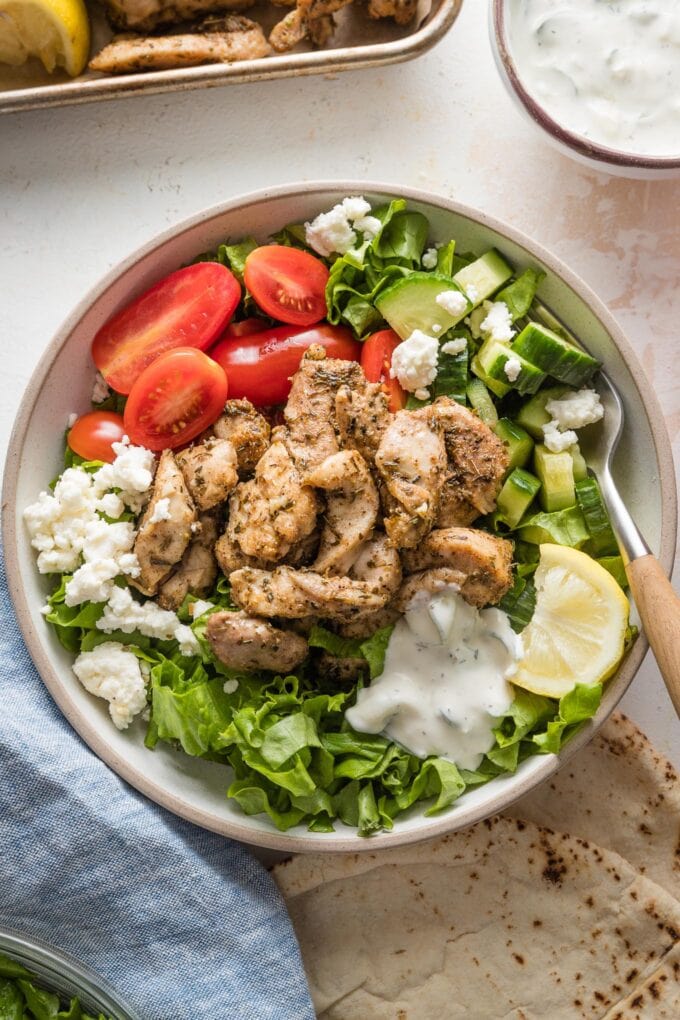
56 31
578 629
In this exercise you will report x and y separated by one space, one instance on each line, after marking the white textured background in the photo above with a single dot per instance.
80 187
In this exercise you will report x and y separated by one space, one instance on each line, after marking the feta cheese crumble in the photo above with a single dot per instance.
456 346
472 293
429 259
199 607
557 441
230 686
422 394
131 472
100 390
111 671
576 410
335 231
122 612
452 301
498 322
414 361
512 368
161 511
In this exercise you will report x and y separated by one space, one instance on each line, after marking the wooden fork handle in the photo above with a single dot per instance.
659 608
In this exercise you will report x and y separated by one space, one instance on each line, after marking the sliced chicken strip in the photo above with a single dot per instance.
233 38
292 594
247 429
142 15
411 460
403 11
362 417
483 562
244 642
165 528
351 509
311 18
197 571
477 461
310 411
365 626
209 470
231 557
274 511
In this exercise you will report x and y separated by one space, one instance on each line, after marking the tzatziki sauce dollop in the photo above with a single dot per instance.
608 70
445 680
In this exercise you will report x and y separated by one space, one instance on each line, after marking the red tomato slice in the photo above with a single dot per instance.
93 434
189 308
376 359
175 399
259 366
244 328
287 284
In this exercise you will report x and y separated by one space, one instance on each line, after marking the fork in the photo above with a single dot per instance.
656 601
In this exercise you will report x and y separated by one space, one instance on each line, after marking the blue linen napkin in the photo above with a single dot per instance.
185 924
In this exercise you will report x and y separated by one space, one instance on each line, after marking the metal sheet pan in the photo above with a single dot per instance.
357 43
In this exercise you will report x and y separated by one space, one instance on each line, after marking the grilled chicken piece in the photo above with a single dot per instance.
483 562
311 18
362 417
198 569
143 15
165 527
274 511
309 413
209 470
247 429
293 594
244 642
231 557
232 38
351 509
477 460
403 11
411 460
365 626
338 670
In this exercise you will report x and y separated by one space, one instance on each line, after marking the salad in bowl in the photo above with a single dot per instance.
328 523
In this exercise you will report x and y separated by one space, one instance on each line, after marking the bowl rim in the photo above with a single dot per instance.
578 143
458 817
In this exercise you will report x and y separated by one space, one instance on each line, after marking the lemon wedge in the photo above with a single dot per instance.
56 31
578 629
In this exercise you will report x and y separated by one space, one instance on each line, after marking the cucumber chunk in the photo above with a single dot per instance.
486 274
564 527
516 496
602 538
493 357
411 303
544 348
556 473
519 443
532 416
495 385
580 466
481 400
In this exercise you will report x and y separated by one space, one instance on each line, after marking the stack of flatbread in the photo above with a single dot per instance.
566 908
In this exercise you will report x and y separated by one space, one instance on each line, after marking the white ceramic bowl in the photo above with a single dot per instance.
62 384
619 162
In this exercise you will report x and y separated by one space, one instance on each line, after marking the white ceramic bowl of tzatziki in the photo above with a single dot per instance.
600 80
194 787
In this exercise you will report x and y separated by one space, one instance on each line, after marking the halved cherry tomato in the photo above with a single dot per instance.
188 308
376 359
244 328
259 366
287 284
175 399
93 434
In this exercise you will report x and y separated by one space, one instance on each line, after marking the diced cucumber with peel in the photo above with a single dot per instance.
518 443
411 303
486 274
500 389
556 473
480 399
580 466
493 357
564 527
555 356
516 496
602 538
532 416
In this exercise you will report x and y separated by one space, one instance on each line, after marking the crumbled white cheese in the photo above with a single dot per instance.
472 293
122 612
455 346
452 301
230 686
429 259
107 552
112 671
131 473
335 230
422 394
161 511
576 410
512 368
111 505
498 322
199 607
100 390
414 362
557 441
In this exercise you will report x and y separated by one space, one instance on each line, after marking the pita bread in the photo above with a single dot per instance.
504 920
619 793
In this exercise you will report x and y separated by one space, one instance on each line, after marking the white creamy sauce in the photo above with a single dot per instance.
605 69
445 680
